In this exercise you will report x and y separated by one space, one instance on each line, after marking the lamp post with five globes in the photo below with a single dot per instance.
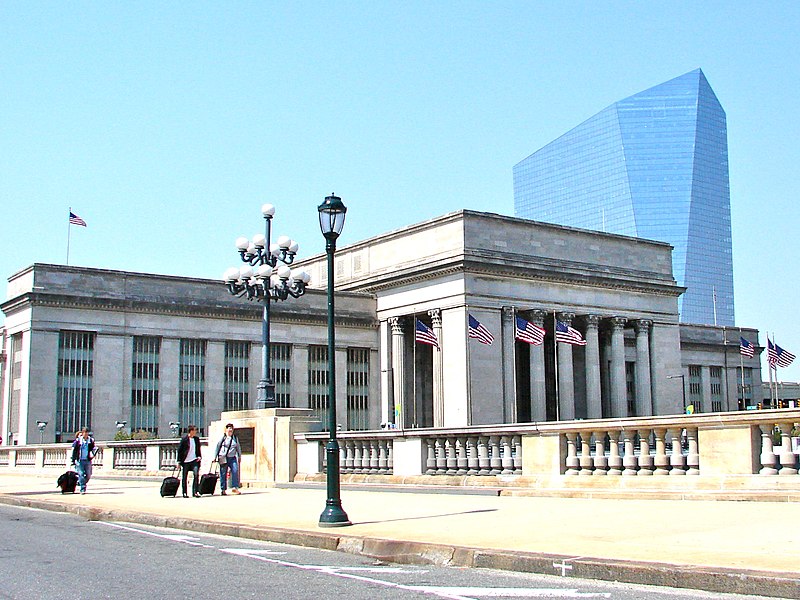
261 278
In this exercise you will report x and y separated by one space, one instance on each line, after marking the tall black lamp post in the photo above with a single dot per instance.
265 283
331 222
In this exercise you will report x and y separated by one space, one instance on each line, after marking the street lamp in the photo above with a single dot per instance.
683 386
331 221
41 425
120 425
263 280
175 427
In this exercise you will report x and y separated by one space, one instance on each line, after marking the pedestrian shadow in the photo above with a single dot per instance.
453 514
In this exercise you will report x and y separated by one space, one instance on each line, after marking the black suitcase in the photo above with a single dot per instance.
208 483
169 486
67 482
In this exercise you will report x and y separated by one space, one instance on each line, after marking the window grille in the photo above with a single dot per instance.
696 387
280 363
144 384
318 383
74 383
715 375
191 389
237 380
358 388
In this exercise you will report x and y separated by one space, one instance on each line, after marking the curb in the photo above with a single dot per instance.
718 579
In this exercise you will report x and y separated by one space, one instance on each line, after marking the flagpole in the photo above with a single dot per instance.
555 355
769 367
714 299
727 387
69 229
414 375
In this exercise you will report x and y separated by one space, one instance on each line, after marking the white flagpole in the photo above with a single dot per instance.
769 367
69 229
727 388
714 299
469 371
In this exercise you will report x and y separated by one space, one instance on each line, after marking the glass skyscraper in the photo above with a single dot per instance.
654 165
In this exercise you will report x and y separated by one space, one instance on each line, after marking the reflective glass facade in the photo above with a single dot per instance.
655 166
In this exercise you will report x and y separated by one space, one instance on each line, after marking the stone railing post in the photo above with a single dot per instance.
787 457
767 453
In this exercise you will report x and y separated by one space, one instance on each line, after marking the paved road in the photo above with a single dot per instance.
46 555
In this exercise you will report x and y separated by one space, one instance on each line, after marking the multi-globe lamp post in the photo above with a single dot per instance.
263 278
331 221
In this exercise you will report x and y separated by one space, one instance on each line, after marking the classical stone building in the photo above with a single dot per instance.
88 346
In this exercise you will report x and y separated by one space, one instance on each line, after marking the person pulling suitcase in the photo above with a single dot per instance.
189 457
229 455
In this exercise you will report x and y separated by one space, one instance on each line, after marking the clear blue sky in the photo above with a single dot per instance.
167 125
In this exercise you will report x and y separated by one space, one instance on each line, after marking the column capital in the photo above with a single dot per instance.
566 317
537 316
436 317
508 312
592 321
396 324
618 322
642 326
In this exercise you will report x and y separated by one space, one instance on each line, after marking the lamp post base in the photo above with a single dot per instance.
333 516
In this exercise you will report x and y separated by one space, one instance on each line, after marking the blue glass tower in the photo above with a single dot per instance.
655 166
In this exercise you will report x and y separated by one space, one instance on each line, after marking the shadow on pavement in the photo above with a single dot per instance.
466 512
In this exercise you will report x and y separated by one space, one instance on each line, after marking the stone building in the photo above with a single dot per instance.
97 347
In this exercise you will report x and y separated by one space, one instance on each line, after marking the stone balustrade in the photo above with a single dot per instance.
681 452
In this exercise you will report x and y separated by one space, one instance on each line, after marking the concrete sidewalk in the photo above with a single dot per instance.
723 546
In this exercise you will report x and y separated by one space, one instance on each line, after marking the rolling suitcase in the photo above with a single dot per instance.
67 482
169 486
208 483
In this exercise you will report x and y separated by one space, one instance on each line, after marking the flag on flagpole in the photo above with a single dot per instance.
479 332
528 332
568 335
424 335
777 356
76 220
746 348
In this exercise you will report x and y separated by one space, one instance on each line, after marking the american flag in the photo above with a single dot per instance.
777 356
76 220
425 335
568 335
479 332
746 348
528 332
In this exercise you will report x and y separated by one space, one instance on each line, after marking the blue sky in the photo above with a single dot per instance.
167 125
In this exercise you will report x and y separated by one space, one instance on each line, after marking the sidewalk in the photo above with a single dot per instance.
722 546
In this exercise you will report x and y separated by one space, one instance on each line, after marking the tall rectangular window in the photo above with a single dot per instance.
630 387
144 384
715 374
16 384
192 387
696 387
358 388
74 383
744 386
237 380
318 383
280 358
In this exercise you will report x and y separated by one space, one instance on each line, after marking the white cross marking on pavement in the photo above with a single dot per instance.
564 567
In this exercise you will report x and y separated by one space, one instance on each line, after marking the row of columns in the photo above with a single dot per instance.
592 374
566 375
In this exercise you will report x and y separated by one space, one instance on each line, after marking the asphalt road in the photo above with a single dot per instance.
46 555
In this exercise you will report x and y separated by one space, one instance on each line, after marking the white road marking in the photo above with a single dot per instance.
484 592
451 593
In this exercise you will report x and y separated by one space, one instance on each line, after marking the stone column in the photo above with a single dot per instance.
398 371
509 364
619 400
594 403
644 398
438 377
538 390
566 388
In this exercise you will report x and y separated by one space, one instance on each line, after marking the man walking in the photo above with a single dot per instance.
189 458
83 451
